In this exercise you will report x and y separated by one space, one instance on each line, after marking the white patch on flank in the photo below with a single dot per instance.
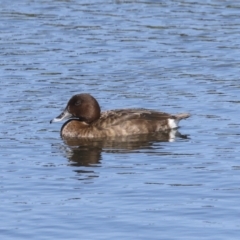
172 123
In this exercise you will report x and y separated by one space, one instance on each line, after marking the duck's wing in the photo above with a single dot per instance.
115 117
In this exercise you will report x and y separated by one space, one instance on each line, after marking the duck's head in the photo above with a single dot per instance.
81 106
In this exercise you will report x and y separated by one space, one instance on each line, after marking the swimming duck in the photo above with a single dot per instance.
87 121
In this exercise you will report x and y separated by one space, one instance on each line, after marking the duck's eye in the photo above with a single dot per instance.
78 102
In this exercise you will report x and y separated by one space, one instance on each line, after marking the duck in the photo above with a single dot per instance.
85 120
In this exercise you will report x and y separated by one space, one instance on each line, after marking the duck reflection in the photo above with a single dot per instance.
85 155
88 152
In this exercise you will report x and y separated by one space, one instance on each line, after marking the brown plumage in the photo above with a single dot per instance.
87 121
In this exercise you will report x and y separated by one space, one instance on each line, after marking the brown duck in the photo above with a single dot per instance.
87 121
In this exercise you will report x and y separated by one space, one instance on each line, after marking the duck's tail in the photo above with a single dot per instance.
174 120
181 116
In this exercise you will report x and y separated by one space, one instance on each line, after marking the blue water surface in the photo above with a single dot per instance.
173 56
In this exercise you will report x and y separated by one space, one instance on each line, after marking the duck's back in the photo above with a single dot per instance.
122 122
118 116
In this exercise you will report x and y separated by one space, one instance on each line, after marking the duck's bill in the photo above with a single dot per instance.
64 115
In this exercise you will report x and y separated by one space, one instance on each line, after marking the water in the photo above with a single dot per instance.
175 56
